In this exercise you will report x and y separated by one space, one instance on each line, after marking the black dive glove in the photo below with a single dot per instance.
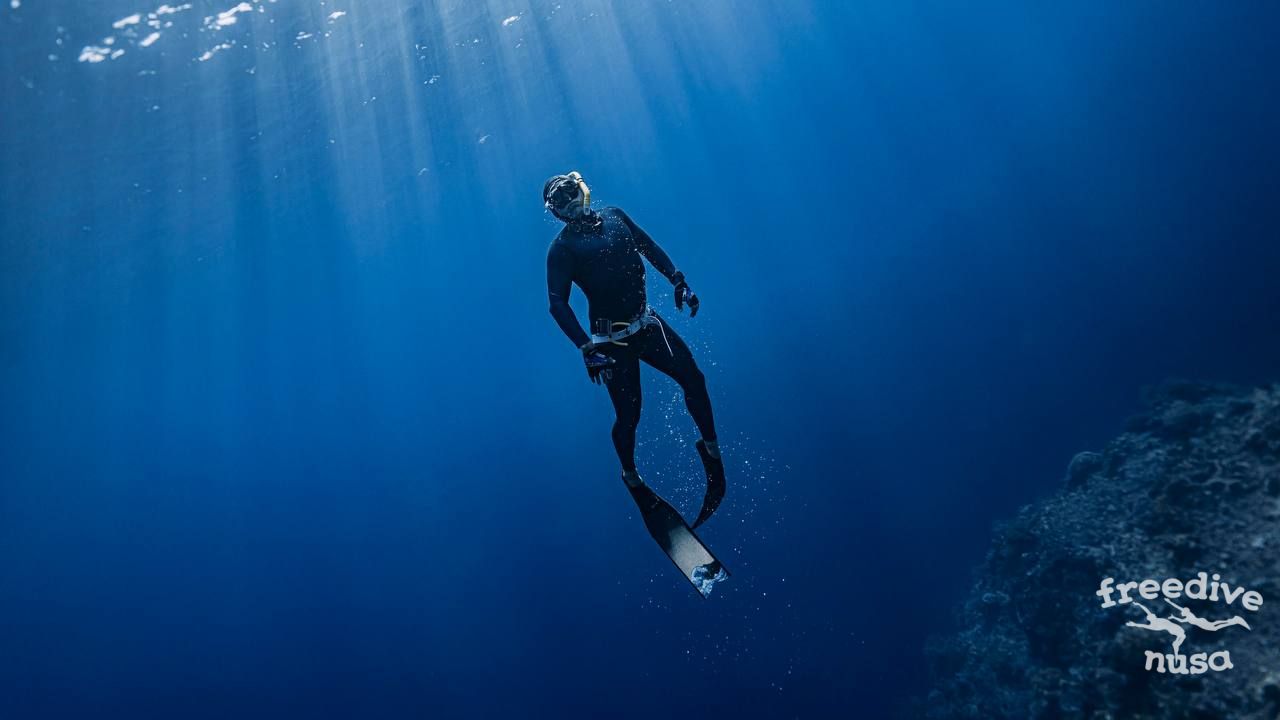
599 365
685 295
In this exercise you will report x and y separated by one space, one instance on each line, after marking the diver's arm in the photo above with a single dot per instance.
559 279
650 249
662 262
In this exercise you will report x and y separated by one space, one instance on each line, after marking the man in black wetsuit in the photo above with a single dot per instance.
603 252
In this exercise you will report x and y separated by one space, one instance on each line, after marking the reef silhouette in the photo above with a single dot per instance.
1193 483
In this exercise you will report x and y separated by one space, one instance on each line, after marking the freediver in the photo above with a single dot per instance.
602 252
1159 624
1187 617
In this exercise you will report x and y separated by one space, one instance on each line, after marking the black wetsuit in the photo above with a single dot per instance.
605 261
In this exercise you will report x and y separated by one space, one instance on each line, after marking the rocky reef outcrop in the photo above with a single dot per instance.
1192 486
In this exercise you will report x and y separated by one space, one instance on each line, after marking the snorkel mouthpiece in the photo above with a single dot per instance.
582 185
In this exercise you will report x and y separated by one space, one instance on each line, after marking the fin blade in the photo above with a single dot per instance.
716 485
687 552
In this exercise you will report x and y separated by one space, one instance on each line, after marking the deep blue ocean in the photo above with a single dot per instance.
287 429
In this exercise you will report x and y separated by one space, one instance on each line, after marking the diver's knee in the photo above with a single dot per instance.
626 423
694 380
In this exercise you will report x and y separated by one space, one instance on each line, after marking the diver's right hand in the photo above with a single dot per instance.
598 365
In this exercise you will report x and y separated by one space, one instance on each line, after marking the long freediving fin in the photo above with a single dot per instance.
715 483
695 561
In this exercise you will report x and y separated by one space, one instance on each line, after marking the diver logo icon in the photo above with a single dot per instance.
1176 624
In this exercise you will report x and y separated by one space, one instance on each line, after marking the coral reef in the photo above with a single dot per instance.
1192 485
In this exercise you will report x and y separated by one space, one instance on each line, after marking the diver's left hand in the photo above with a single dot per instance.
685 295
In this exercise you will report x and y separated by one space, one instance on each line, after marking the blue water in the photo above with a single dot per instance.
288 431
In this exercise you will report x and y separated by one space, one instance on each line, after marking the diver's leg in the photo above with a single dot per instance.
672 357
679 365
624 391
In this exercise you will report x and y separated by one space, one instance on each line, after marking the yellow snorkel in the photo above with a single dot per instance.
582 185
